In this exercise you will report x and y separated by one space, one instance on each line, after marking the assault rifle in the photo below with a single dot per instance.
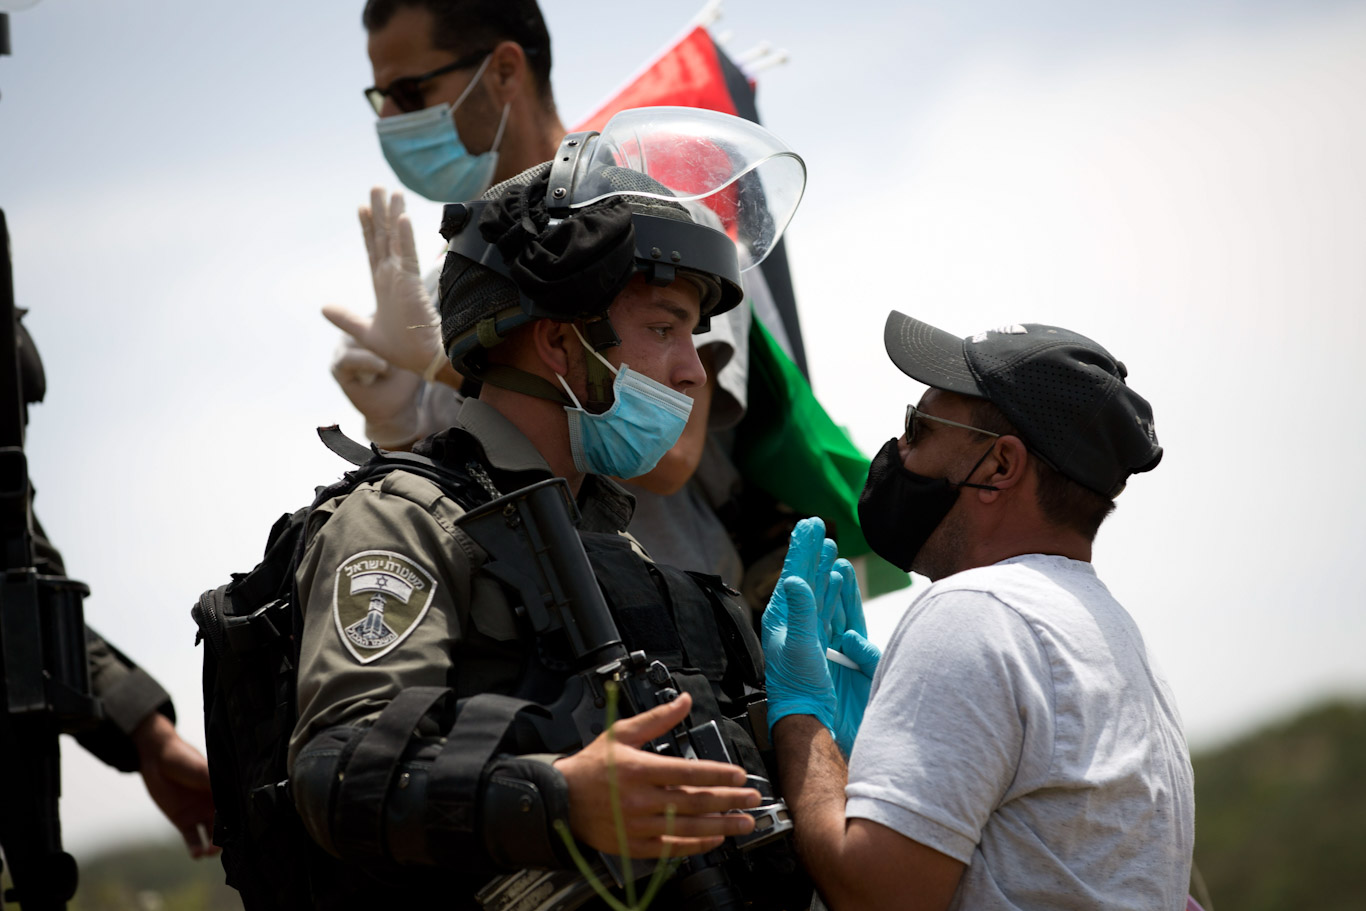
44 678
533 543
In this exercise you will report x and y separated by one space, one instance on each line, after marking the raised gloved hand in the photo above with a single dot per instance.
798 675
849 636
384 394
797 672
405 327
840 627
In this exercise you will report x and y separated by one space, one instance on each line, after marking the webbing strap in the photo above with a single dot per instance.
481 722
600 379
515 380
365 782
487 329
744 652
344 446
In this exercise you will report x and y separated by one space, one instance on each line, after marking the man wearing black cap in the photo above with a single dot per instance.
1019 749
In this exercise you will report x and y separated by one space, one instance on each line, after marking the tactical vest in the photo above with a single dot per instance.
691 622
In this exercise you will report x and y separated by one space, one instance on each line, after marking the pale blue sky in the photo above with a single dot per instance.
1180 180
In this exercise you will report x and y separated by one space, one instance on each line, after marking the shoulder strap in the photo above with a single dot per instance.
344 446
374 463
744 652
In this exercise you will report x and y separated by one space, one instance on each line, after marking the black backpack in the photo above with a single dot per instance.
250 628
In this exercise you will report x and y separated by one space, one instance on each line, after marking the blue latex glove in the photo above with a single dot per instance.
798 674
844 629
798 677
849 635
805 549
825 584
810 557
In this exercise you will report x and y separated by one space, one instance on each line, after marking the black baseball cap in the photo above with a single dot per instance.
1064 393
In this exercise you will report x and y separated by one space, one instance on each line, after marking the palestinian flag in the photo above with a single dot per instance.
787 445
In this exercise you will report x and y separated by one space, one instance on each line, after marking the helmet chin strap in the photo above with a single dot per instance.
512 379
600 373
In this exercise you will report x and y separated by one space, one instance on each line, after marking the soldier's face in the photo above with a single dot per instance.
655 325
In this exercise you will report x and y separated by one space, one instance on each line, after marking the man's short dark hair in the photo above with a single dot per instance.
1061 500
467 26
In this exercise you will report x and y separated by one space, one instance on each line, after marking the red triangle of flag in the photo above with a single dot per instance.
689 74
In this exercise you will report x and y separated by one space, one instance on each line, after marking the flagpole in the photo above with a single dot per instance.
755 67
710 12
762 49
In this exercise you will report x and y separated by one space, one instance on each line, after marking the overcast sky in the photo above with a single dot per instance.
1182 181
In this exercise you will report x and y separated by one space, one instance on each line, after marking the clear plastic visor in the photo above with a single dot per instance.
748 177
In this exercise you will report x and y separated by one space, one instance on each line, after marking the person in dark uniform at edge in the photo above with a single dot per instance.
459 628
137 732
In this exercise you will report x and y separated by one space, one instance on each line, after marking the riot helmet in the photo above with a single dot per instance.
665 192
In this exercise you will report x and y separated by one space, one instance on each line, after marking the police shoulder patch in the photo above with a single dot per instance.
379 598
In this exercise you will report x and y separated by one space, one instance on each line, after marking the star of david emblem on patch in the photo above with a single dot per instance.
378 599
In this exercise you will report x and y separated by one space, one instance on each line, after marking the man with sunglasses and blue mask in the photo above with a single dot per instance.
1020 748
462 91
571 291
463 100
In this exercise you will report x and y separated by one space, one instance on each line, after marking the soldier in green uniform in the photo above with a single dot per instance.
572 292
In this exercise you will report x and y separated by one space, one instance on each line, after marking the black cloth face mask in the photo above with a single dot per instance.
899 509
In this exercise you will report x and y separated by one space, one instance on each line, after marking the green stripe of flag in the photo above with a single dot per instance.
789 447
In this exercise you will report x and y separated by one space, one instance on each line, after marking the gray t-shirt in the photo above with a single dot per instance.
1018 724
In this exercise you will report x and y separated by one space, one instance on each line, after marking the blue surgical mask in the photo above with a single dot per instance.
627 440
426 153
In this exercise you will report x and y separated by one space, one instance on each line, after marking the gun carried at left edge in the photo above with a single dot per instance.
44 676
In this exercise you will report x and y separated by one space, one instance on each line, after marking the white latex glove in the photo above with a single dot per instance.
404 329
384 394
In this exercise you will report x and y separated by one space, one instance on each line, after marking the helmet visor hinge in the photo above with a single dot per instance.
454 217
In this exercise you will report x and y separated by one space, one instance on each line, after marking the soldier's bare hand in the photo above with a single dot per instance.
177 777
702 793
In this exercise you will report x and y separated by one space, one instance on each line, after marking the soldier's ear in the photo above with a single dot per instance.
552 342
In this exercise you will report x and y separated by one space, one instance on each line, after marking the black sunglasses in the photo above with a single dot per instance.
915 415
406 91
